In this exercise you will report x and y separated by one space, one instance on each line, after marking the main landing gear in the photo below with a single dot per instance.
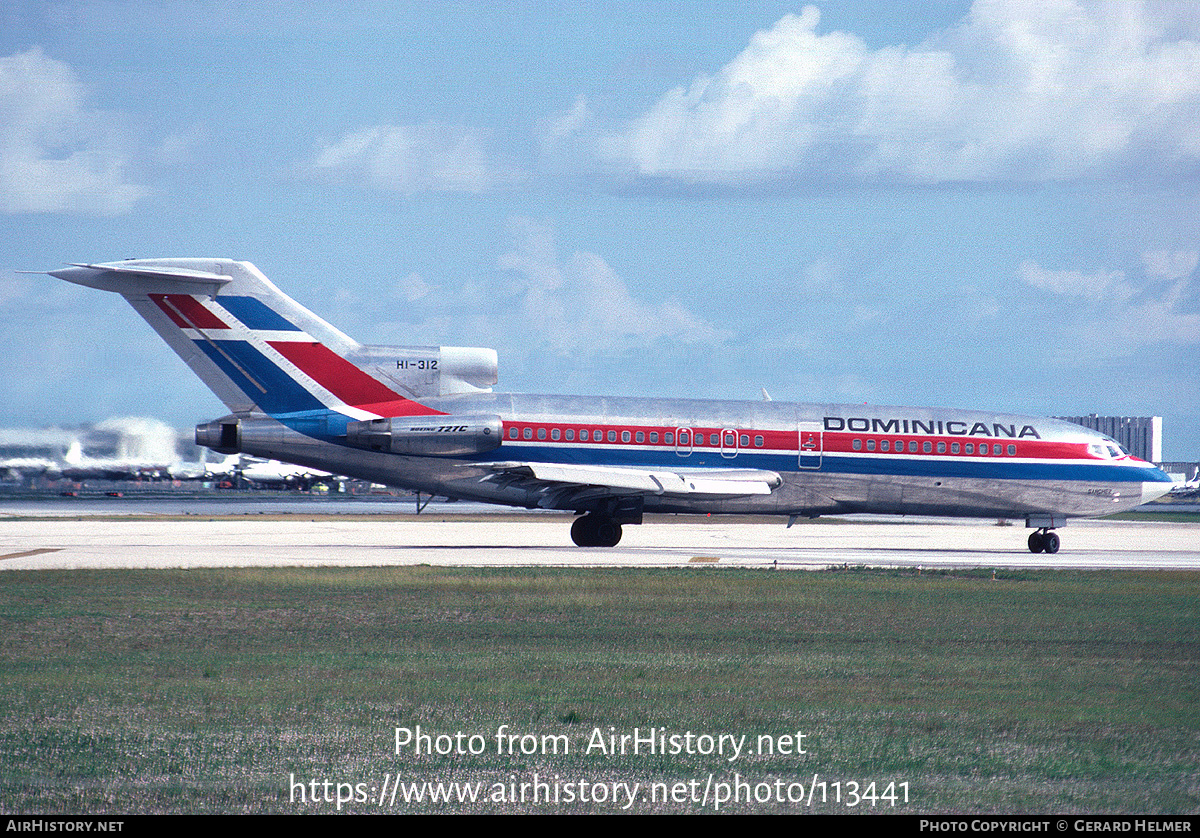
1043 541
593 530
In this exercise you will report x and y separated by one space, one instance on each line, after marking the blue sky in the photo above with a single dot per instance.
989 205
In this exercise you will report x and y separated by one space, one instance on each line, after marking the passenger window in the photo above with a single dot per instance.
970 448
714 440
612 436
512 433
583 435
954 448
556 434
927 447
857 445
570 434
527 433
997 449
758 442
941 448
669 438
541 433
654 437
912 447
1012 450
744 440
870 445
624 436
641 436
884 445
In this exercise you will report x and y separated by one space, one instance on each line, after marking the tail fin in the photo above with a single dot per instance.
260 350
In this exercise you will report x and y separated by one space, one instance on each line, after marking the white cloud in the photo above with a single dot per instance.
430 157
412 288
1020 90
543 311
580 306
1101 285
1109 315
56 153
1171 264
565 125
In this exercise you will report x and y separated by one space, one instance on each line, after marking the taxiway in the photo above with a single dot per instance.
509 540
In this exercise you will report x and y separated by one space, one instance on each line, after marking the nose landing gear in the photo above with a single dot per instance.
1043 541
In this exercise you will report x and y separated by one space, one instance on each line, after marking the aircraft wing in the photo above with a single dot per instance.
730 483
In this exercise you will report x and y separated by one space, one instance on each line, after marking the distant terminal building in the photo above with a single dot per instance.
1140 435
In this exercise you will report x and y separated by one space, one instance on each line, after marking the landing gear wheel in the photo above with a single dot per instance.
608 533
1043 541
583 531
594 531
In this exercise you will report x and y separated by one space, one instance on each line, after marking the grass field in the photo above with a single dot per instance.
215 690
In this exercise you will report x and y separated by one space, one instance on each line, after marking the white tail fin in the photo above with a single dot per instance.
258 349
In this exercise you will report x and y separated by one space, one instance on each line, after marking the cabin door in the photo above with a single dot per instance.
810 444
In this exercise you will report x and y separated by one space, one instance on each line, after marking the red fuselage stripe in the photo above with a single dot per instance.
776 441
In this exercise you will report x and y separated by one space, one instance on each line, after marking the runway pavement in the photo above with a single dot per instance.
257 540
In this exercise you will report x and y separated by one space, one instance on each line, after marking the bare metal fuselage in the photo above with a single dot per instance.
425 419
815 481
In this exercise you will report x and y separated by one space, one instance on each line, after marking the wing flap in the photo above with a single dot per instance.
729 483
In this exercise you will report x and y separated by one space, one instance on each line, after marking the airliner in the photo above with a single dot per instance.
425 419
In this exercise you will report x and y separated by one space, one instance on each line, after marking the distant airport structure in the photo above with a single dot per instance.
135 448
1140 435
124 445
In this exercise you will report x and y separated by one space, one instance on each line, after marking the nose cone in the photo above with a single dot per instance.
1157 484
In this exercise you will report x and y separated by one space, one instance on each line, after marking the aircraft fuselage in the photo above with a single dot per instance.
832 458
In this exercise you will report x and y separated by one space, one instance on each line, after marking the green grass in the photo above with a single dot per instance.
199 691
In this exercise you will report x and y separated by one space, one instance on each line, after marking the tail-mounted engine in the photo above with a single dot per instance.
427 436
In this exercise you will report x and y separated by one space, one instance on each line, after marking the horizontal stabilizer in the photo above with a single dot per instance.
134 278
728 483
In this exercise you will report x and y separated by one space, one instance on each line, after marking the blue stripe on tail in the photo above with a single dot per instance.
255 314
263 382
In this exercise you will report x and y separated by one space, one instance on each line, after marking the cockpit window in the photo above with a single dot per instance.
1108 450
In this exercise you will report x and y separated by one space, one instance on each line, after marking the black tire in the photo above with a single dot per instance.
1050 542
1036 542
594 531
608 533
583 531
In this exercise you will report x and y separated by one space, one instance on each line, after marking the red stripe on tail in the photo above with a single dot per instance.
186 312
348 382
